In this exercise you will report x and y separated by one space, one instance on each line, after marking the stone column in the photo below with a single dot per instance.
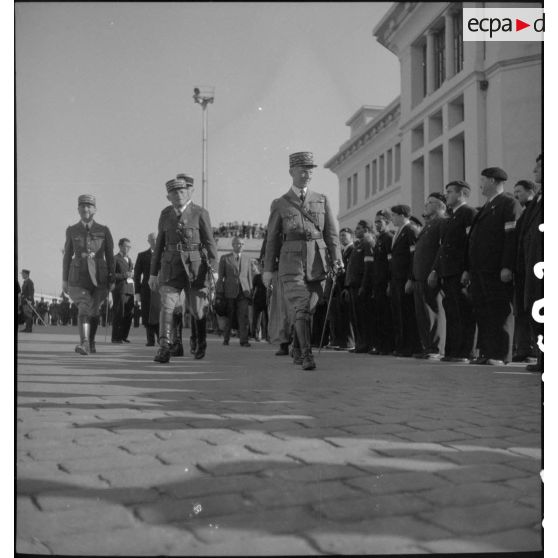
450 67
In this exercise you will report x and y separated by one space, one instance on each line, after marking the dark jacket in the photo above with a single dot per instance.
402 249
121 269
28 291
492 239
358 264
426 248
451 256
382 249
141 271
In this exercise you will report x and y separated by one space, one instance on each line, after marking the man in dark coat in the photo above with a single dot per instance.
123 294
530 257
447 269
27 300
401 284
489 269
88 270
149 300
426 296
184 253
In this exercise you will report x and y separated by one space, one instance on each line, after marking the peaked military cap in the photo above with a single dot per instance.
88 199
301 159
401 209
187 178
175 184
495 172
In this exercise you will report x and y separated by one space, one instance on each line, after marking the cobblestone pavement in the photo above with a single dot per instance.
244 453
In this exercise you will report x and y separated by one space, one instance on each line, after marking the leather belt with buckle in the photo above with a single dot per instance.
306 235
183 246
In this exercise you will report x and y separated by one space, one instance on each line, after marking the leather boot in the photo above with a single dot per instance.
295 349
201 339
302 329
83 328
176 348
283 349
93 325
163 354
150 332
193 336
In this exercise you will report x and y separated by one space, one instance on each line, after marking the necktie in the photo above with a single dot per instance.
302 196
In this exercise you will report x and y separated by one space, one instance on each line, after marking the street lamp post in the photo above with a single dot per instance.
203 96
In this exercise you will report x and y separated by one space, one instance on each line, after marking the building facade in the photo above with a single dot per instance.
463 106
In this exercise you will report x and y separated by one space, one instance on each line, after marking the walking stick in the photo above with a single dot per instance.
106 318
333 285
35 312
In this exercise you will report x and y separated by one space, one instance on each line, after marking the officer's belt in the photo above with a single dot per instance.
308 235
183 247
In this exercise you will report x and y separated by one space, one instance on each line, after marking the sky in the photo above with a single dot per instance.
104 106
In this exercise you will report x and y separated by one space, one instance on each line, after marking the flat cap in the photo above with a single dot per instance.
26 271
384 214
175 184
401 209
301 159
459 183
366 224
346 230
87 199
495 172
187 178
438 196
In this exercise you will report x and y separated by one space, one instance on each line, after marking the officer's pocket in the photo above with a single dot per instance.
166 267
96 243
290 260
73 275
324 255
102 272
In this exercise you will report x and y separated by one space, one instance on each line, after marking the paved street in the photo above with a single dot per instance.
244 453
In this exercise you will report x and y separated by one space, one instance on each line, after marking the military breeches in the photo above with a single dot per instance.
196 300
302 296
88 301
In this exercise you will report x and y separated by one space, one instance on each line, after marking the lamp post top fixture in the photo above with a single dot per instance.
204 95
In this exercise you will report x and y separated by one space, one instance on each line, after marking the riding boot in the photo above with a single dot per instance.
93 325
201 338
150 333
163 354
176 348
193 336
302 329
83 328
295 350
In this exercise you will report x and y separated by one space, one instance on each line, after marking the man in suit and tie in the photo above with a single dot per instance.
447 269
27 300
489 269
235 284
123 294
184 253
302 234
426 297
88 270
529 254
150 302
401 284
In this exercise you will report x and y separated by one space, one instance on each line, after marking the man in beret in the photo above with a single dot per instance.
340 313
302 234
149 300
88 270
529 254
358 286
447 269
27 300
184 253
489 268
401 284
382 322
426 297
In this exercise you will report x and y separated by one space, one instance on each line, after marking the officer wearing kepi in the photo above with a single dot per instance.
184 252
302 233
88 270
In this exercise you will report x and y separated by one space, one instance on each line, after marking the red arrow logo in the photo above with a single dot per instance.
519 25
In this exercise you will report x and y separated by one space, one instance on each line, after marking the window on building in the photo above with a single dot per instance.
457 42
439 57
367 181
355 189
374 177
389 168
397 162
382 172
348 192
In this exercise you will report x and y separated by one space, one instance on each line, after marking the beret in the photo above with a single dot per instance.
438 196
401 209
495 172
459 183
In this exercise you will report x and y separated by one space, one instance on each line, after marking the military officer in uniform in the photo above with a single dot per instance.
489 271
302 233
88 270
27 300
184 253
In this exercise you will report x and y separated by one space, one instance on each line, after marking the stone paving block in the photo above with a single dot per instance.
246 467
460 545
294 494
434 435
73 451
202 508
360 509
381 483
501 432
482 519
482 473
526 485
311 433
202 452
149 476
122 461
274 447
534 501
471 494
481 457
320 472
531 466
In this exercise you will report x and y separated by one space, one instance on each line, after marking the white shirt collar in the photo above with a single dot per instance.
181 210
90 224
298 191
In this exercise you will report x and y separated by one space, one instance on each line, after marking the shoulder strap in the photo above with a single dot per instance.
303 211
